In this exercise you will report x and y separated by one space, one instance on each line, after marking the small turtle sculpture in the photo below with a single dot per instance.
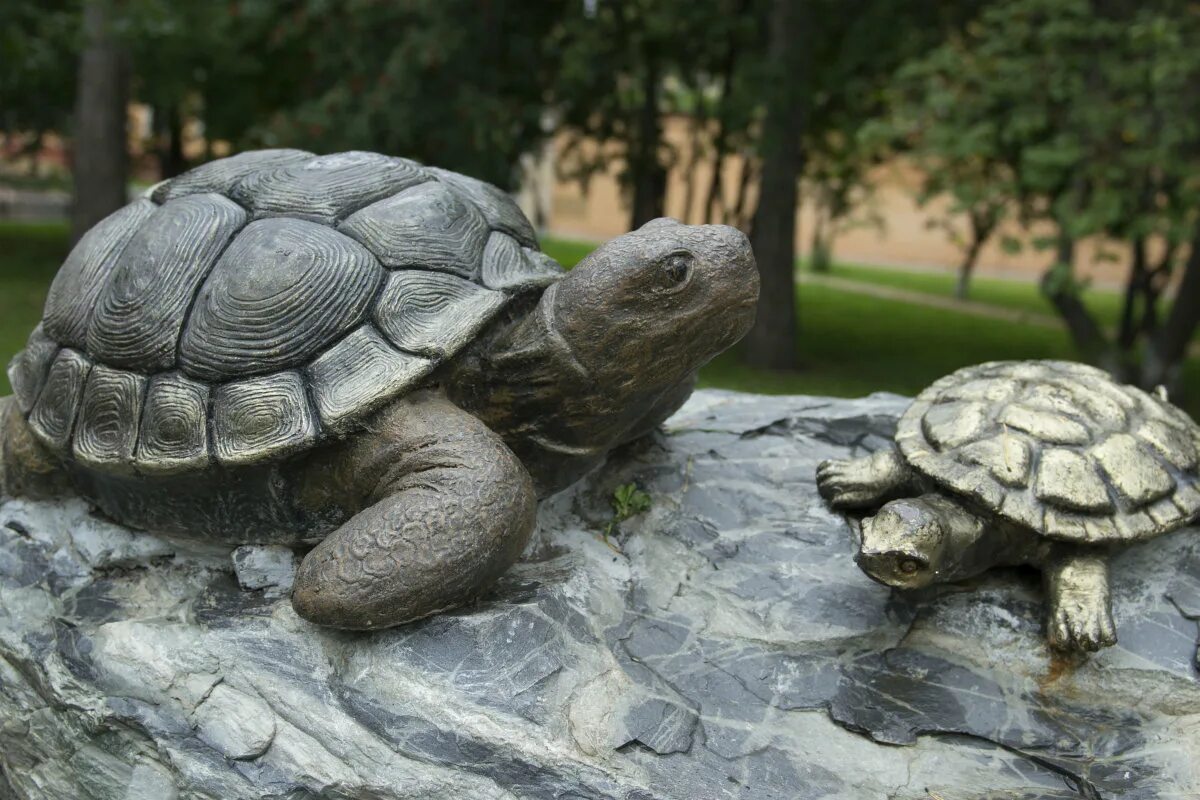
358 352
1047 463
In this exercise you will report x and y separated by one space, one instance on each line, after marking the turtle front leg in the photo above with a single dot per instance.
865 482
1079 603
450 510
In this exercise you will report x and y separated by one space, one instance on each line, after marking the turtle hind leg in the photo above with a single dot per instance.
1078 601
865 482
448 509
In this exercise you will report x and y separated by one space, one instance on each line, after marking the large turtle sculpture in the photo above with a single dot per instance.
359 352
1047 463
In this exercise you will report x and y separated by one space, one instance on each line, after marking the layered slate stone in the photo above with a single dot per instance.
425 227
223 174
140 314
724 647
326 189
81 279
283 291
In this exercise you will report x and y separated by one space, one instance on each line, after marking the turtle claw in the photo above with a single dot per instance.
856 483
840 484
1081 624
1080 617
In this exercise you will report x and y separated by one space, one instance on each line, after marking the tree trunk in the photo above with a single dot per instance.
982 225
169 122
694 158
771 343
649 176
738 217
721 137
821 258
1085 332
714 188
1134 288
962 289
1170 343
99 158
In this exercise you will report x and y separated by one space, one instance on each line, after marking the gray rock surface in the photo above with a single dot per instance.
271 567
730 649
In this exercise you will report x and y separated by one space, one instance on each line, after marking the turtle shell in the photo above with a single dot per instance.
1059 448
258 304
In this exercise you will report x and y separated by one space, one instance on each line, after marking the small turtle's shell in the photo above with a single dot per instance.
255 305
1059 448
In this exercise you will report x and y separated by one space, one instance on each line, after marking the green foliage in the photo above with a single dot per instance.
456 83
1082 113
627 502
38 43
1072 110
1060 280
855 50
625 63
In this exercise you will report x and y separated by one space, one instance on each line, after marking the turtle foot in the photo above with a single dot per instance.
862 482
1080 627
1080 618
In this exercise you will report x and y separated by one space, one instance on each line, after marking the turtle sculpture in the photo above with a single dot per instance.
1047 463
362 353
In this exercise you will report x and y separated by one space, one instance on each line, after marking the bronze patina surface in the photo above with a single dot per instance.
1046 463
360 353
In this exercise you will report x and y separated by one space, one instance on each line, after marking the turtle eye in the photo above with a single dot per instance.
674 270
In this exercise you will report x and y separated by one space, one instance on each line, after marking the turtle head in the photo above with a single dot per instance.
647 309
904 544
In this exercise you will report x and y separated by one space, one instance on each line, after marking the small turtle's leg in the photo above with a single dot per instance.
447 508
1077 595
26 468
865 482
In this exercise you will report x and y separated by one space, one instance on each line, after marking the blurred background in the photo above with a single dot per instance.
926 184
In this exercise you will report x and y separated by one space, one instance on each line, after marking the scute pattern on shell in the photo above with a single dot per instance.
250 308
1059 448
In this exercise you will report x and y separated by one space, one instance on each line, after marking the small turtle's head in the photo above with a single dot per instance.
649 308
904 544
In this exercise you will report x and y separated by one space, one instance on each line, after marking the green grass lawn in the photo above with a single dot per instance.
850 344
1012 294
30 254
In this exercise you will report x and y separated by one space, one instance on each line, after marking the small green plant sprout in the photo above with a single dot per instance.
627 501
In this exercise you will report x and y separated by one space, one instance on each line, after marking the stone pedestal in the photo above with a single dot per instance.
721 645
